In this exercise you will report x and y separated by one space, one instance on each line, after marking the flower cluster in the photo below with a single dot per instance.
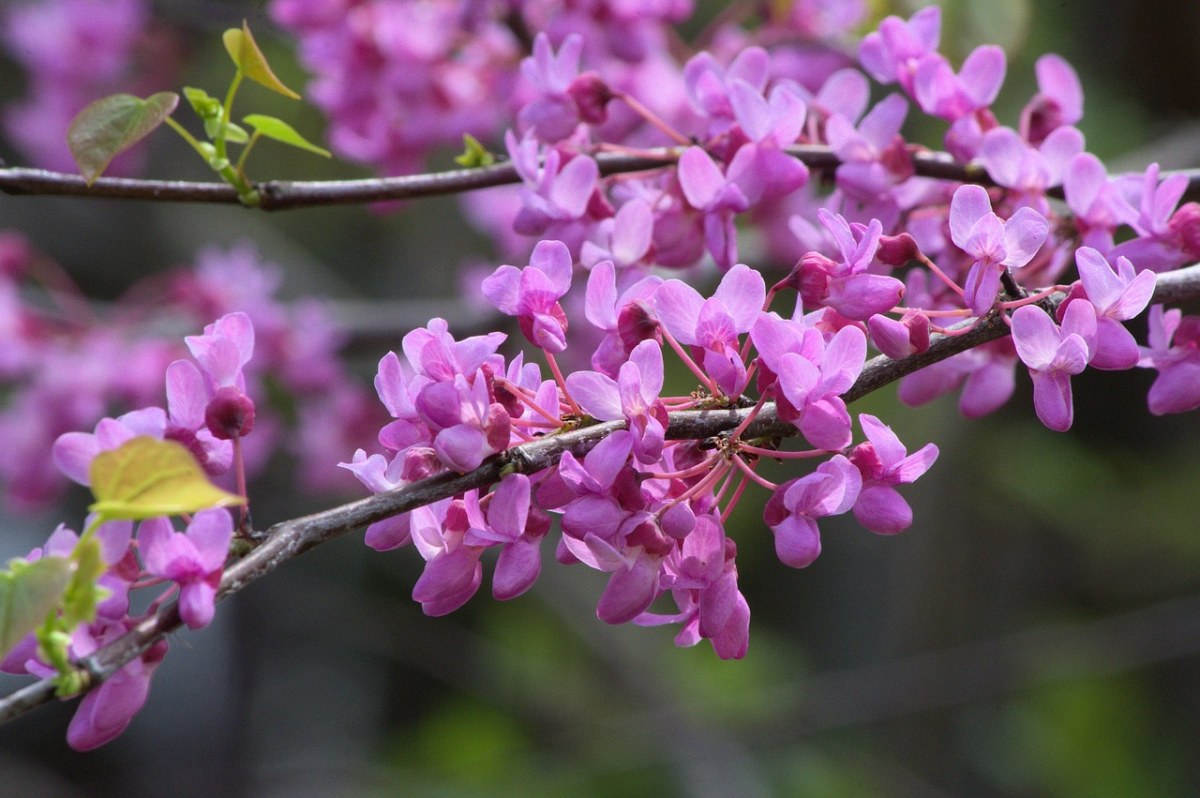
646 509
56 365
208 413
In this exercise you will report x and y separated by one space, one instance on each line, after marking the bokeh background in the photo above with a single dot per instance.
1037 631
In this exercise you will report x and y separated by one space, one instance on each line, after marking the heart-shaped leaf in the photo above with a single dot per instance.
146 477
251 62
29 591
279 130
113 124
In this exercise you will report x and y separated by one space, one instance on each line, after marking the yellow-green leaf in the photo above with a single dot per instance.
474 154
146 477
113 124
29 591
251 62
279 130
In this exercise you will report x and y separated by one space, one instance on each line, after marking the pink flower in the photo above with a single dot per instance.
192 559
794 508
532 293
1053 355
993 244
885 463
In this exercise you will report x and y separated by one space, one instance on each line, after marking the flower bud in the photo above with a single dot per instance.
591 96
230 414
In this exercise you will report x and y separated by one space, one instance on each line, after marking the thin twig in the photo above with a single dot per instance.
288 539
284 194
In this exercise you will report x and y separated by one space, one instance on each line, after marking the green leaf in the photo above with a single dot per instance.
146 477
279 130
474 154
82 593
204 104
29 591
251 62
111 125
235 134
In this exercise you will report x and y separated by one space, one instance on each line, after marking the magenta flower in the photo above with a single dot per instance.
761 168
222 352
873 155
993 244
1053 355
453 571
847 286
625 321
1031 171
794 508
1174 350
718 196
556 194
1096 201
942 93
633 396
892 53
714 324
810 388
624 239
1163 241
532 293
107 710
1117 296
708 83
192 559
885 463
552 115
511 524
1059 100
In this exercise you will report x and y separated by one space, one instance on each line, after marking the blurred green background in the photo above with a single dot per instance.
1036 633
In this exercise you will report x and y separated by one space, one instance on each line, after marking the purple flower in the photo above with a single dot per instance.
874 157
942 93
885 463
847 286
718 196
993 244
1059 100
532 293
1096 200
714 324
634 396
107 710
625 321
761 168
794 508
552 115
555 196
193 559
1117 296
1015 164
1053 355
1174 350
510 524
893 52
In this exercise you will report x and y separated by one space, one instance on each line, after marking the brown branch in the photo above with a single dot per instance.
288 539
286 194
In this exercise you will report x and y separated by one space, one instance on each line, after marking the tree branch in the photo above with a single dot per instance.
288 539
285 194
